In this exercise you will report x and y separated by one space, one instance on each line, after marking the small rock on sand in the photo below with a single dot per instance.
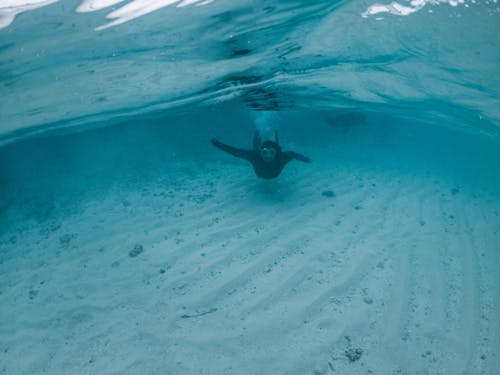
135 251
328 194
320 370
353 355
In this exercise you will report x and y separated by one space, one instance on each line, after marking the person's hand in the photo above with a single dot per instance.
214 141
307 159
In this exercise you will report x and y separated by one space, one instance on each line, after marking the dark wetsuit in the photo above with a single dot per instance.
263 169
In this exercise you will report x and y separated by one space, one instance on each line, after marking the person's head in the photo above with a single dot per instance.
269 150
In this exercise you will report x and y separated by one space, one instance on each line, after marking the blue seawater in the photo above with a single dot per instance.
130 245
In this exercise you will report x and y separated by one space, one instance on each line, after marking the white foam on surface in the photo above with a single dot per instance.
9 9
399 9
132 10
138 8
187 2
92 5
135 9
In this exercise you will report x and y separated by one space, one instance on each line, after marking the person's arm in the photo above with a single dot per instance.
238 152
290 155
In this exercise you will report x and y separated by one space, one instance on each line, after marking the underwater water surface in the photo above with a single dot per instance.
129 244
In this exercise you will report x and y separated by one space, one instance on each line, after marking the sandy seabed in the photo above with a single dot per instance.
327 270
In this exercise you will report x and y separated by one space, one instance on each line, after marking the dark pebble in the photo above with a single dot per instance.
135 251
33 293
328 194
354 355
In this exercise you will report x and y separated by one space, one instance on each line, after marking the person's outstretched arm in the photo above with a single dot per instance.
238 152
290 155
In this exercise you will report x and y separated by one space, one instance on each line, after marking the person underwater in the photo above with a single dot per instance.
267 158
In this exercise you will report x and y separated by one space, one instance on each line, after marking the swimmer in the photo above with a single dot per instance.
267 158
